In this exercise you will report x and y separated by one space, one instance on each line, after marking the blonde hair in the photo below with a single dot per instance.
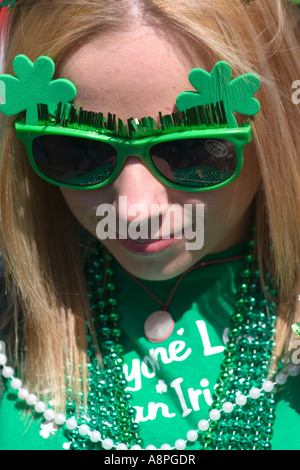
47 298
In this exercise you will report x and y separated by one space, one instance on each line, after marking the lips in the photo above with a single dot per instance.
147 245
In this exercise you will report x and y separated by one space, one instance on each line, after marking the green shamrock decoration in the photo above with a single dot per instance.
296 328
33 85
236 94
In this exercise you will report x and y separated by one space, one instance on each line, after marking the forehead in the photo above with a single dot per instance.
131 74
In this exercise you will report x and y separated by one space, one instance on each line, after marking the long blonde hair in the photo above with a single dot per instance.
47 301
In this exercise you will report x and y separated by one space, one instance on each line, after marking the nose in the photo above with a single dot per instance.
142 190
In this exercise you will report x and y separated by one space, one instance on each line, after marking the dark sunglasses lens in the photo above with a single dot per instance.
198 163
73 160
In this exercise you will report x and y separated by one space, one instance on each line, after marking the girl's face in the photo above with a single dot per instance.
136 74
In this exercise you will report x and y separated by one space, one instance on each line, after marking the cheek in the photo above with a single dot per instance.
238 195
83 204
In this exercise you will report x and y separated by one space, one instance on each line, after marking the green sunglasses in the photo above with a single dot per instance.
197 149
189 160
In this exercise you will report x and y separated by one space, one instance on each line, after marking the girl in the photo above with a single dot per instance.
81 354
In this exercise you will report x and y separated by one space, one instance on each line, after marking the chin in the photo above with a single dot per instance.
153 266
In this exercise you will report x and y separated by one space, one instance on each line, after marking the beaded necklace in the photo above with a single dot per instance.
243 377
243 411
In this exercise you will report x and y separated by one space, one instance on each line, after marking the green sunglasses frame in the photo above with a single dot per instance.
138 147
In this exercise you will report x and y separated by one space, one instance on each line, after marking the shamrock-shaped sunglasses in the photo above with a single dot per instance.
197 149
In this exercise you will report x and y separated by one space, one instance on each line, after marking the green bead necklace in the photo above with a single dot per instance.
242 413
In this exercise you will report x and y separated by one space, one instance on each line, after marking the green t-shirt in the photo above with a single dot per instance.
172 382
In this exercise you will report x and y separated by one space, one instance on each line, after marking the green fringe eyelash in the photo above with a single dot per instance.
198 117
33 84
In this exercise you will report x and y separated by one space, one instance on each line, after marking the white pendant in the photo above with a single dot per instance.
158 326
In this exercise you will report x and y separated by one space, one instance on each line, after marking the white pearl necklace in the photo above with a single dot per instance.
41 408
